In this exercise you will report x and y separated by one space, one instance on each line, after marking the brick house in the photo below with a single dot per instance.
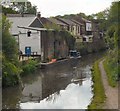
79 27
88 35
71 26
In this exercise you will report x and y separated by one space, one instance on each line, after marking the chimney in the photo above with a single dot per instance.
38 15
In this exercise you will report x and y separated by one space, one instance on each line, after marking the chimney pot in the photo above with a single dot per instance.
38 15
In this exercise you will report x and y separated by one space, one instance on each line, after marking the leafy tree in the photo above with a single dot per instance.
113 39
114 13
8 10
102 15
10 68
31 10
113 24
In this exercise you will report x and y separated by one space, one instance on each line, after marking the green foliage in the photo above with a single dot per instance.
111 69
10 73
9 45
117 37
31 10
114 14
10 64
8 11
82 48
73 16
112 35
98 89
86 48
113 41
70 40
29 67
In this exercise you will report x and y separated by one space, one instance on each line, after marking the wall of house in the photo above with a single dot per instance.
33 41
78 30
74 30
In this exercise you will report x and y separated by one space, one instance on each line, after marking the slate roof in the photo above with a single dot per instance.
33 28
36 23
58 22
66 21
44 20
19 21
85 20
76 22
19 15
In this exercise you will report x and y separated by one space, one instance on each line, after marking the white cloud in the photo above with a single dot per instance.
73 97
60 7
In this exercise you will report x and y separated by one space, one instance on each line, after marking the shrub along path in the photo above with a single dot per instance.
111 93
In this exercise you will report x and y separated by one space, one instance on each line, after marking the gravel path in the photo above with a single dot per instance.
111 93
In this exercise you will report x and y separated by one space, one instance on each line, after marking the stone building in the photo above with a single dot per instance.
36 40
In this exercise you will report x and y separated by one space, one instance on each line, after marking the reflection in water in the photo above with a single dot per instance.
62 87
74 96
32 92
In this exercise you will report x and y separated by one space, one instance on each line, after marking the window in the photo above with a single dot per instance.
84 39
89 32
28 33
59 43
78 29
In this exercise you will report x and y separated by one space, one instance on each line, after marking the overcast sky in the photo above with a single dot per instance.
61 7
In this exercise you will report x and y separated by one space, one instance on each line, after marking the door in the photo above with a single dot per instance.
28 51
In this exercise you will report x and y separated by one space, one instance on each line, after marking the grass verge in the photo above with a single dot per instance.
98 88
110 71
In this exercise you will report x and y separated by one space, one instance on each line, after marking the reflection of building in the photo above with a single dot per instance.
32 92
45 83
55 80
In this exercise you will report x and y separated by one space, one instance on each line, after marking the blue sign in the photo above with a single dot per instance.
28 51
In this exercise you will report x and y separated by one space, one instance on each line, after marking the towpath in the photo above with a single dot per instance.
110 92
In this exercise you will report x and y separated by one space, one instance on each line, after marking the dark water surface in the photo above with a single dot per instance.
63 87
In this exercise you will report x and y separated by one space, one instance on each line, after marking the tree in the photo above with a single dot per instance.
32 10
113 24
8 10
10 67
113 39
114 13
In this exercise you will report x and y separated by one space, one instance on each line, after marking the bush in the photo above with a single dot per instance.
111 67
29 67
10 75
10 63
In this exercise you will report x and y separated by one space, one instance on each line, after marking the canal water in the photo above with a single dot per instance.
63 87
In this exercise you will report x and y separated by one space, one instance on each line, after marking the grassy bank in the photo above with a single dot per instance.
98 89
111 71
